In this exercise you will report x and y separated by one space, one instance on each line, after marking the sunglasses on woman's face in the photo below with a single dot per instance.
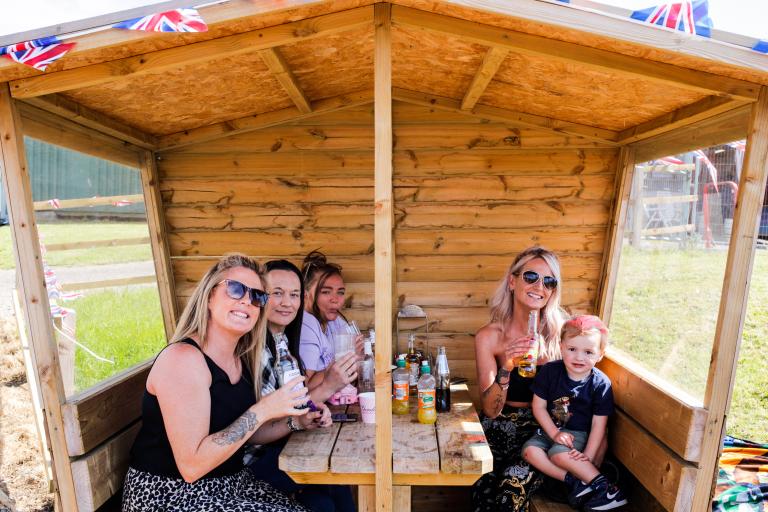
531 277
237 290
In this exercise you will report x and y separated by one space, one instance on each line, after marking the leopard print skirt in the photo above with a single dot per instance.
512 482
241 492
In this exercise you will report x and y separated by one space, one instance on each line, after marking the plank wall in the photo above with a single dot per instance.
469 195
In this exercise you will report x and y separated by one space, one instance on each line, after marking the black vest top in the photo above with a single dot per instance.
151 451
519 389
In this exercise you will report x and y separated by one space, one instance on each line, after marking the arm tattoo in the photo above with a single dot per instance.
237 430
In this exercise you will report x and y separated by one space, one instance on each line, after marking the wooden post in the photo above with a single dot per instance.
384 257
156 222
31 279
638 213
625 172
733 300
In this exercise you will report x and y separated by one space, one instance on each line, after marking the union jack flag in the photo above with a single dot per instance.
690 16
761 46
38 53
178 20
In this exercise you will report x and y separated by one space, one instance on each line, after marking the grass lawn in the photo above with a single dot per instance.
60 232
664 315
124 325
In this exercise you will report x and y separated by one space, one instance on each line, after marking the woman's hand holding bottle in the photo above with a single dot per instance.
284 401
516 349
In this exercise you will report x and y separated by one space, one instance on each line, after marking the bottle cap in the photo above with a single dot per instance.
401 362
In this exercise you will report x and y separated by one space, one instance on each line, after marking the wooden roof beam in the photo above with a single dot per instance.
262 120
282 72
154 62
509 116
491 64
689 114
68 109
529 44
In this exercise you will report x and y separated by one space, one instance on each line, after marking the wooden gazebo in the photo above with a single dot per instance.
420 144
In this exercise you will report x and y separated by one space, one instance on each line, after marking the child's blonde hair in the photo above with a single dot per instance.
585 324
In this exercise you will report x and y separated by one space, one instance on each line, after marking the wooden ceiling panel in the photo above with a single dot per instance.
433 63
190 96
573 93
332 65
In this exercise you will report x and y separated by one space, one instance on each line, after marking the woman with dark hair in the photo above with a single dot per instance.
203 400
324 300
284 319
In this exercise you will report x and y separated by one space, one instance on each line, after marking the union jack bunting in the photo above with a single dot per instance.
761 46
178 20
38 53
690 16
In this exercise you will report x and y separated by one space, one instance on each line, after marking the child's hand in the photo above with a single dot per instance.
577 455
565 439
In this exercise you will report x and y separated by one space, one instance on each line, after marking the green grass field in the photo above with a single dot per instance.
124 325
61 232
664 315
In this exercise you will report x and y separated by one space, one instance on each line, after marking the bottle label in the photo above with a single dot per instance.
401 391
289 375
427 399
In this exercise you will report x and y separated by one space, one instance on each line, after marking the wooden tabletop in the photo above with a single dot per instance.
454 451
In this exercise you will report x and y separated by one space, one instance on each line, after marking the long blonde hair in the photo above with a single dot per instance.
194 318
551 316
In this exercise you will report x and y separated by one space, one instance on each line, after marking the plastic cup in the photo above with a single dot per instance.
343 344
368 406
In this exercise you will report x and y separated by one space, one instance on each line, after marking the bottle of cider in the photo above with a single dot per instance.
286 366
413 362
527 365
426 386
400 388
443 385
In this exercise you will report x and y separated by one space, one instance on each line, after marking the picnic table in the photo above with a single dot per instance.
454 451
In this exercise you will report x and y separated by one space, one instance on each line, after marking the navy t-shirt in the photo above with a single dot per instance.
571 403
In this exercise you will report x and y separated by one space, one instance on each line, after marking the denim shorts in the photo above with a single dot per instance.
542 440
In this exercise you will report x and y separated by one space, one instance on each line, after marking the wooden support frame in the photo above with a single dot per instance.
31 279
263 120
625 170
490 65
68 109
733 300
153 204
282 72
158 61
529 44
57 130
384 251
592 133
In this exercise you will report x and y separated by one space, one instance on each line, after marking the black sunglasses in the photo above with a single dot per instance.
237 290
531 277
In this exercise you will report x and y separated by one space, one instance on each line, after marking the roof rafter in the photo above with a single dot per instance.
262 120
68 109
228 46
487 112
529 44
491 64
282 72
683 116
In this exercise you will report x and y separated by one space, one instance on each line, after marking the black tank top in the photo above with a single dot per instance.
519 389
151 451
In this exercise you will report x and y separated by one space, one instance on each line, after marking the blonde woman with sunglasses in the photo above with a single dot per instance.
532 284
203 401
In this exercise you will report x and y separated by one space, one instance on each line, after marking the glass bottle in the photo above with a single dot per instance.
443 385
365 381
527 365
413 361
286 366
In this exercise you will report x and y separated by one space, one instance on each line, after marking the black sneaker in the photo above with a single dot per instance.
606 496
580 492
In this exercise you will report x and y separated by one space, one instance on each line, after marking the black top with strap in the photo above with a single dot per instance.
151 451
519 387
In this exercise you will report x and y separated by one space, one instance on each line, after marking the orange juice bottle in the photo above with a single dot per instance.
426 386
400 388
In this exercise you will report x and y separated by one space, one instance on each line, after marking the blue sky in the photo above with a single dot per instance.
748 17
